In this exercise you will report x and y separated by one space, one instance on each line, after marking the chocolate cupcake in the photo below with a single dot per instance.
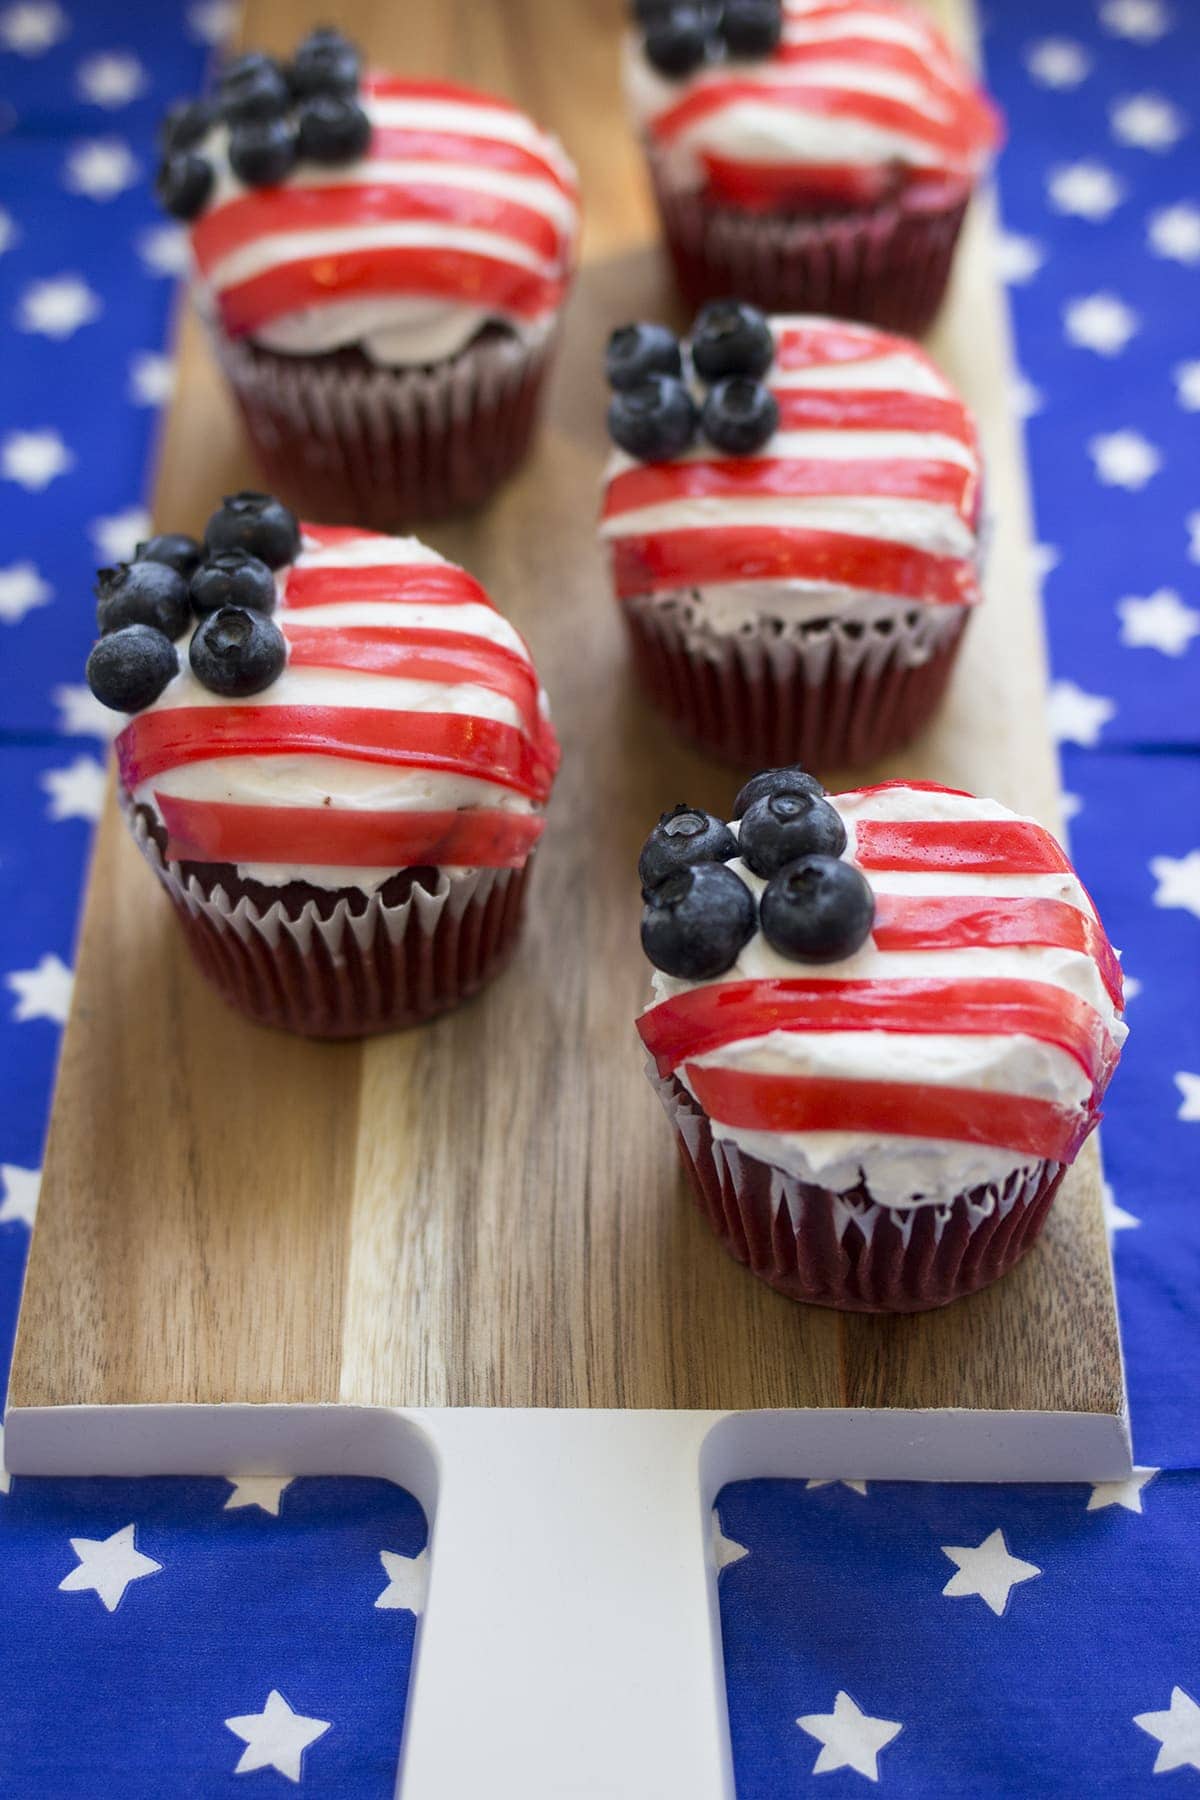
381 264
792 518
336 764
882 1026
809 155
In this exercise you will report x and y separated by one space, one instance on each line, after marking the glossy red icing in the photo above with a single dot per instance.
655 562
221 831
977 846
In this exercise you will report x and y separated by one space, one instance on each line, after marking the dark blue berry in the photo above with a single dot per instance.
232 578
173 548
695 922
739 415
325 63
183 184
257 523
635 351
818 909
677 41
683 836
143 593
731 338
793 780
263 152
333 129
253 87
778 828
129 669
236 652
184 124
752 27
646 11
654 420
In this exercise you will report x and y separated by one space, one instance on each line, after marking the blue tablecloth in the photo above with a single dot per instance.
163 1638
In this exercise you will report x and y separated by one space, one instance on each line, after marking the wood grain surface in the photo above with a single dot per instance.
489 1211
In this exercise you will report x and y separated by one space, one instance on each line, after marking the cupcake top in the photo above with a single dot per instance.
902 986
779 105
330 208
320 704
797 458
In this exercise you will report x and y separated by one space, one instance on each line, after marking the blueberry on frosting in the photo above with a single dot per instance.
325 63
143 593
232 578
790 780
257 523
236 652
333 128
183 183
185 124
683 836
752 28
653 420
175 549
254 86
695 923
739 415
677 40
262 152
128 669
638 350
817 909
731 337
780 827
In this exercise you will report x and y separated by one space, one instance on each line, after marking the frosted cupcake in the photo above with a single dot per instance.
381 264
809 155
882 1026
336 762
791 515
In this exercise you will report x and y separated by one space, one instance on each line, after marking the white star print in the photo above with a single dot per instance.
8 231
151 378
42 993
32 28
408 1581
1142 20
1076 717
212 20
100 168
856 1487
1057 62
1159 622
1045 559
987 1570
1115 1217
724 1550
1146 122
116 537
1026 400
21 589
1070 805
1187 385
56 309
107 1566
1178 881
275 1738
850 1738
263 1491
5 1477
1131 985
163 249
1018 259
1174 232
1189 1097
1100 322
76 792
1124 459
1127 1493
81 714
34 458
1084 190
1192 522
111 78
20 1194
1177 1730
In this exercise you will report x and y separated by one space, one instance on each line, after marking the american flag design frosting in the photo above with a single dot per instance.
974 1033
407 729
868 488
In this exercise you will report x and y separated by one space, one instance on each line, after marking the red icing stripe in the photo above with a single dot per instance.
459 743
971 921
865 409
408 584
694 557
401 87
969 846
419 655
220 831
745 477
773 187
828 341
751 1102
706 1018
329 535
955 139
920 787
416 143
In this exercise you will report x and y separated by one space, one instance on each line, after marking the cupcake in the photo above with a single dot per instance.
336 762
381 265
792 516
810 155
882 1026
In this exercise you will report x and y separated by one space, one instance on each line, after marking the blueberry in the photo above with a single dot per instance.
752 27
677 41
255 522
739 415
635 351
253 87
646 11
333 129
654 420
793 780
695 922
232 578
183 184
185 124
143 593
237 652
683 836
818 909
731 338
778 828
325 63
174 549
263 152
129 669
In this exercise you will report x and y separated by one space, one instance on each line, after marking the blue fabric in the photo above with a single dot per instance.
828 1592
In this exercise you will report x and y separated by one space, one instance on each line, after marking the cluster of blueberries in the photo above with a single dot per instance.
227 583
680 35
699 913
276 113
653 414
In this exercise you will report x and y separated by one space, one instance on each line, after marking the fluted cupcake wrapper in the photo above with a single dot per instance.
848 1251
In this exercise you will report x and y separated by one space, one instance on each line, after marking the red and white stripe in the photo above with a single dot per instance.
407 727
870 485
981 1016
460 199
